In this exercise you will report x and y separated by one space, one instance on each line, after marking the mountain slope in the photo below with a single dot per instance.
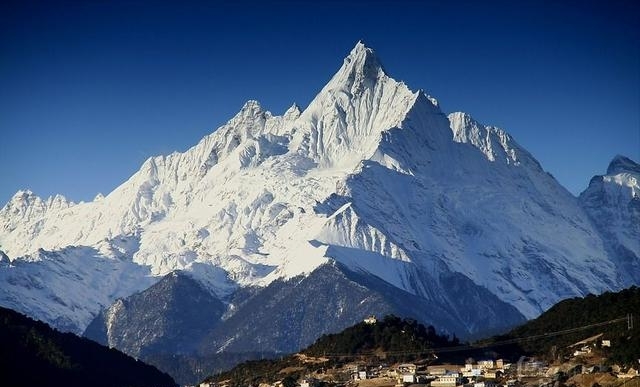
372 179
32 353
172 316
390 338
613 203
281 318
68 287
580 313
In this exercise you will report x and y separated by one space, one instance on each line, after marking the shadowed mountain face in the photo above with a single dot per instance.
278 319
282 317
170 317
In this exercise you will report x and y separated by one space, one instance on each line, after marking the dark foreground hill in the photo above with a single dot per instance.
34 354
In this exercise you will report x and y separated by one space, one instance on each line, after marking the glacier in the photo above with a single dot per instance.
371 176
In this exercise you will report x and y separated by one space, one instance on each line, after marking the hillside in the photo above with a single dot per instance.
392 338
392 335
583 318
33 354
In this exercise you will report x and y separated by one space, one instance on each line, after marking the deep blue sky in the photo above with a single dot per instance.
90 89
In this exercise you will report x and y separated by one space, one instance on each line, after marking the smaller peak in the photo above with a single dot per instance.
250 111
58 202
622 164
98 197
24 199
431 99
24 195
23 192
251 105
293 112
462 119
57 198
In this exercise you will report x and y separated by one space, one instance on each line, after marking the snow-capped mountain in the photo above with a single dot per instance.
613 203
372 179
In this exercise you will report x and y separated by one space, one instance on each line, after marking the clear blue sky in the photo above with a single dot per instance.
90 89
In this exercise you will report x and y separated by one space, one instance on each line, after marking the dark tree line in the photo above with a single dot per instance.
32 353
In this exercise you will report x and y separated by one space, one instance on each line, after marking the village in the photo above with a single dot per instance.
584 368
581 370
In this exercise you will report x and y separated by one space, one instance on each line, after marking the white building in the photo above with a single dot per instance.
472 373
486 364
437 370
371 320
407 368
449 380
409 378
485 384
491 374
308 382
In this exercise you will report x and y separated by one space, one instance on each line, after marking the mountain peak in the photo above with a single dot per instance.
361 69
23 194
622 164
364 60
251 107
361 49
24 198
251 112
293 112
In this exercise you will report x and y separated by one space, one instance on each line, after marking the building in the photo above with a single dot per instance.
360 372
408 378
632 373
486 364
449 380
437 370
407 368
582 351
472 373
371 320
309 382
